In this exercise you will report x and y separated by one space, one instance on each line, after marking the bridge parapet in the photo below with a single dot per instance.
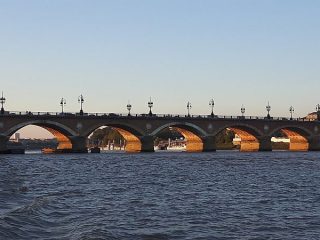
125 115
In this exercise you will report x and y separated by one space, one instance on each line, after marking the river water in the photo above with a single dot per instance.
221 195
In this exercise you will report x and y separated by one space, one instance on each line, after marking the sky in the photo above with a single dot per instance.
238 52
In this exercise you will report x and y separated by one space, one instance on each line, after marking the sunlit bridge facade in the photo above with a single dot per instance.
139 132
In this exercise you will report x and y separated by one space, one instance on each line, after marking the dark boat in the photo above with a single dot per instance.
95 150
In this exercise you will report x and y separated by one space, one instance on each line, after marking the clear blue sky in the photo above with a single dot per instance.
235 51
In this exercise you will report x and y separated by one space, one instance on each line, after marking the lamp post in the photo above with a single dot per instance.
291 110
318 111
189 107
211 104
243 110
150 105
129 106
2 101
62 104
268 107
81 101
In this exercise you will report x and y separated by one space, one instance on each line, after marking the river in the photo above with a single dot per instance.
220 195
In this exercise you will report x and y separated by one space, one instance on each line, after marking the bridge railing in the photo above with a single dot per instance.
125 115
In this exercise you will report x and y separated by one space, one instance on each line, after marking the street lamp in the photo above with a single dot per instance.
243 110
189 107
211 104
318 111
81 101
291 110
150 105
62 104
2 101
268 107
129 106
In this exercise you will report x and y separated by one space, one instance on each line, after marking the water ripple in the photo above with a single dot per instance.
222 195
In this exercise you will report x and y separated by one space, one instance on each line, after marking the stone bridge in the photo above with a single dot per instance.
140 131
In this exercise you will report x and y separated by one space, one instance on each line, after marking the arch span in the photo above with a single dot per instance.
132 136
249 136
298 137
59 131
193 134
187 126
49 124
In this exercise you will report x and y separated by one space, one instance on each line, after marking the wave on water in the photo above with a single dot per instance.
181 196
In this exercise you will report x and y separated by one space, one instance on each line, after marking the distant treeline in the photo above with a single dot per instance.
38 144
103 136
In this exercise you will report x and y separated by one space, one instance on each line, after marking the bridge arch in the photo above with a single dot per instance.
188 126
248 134
131 135
298 136
61 132
193 134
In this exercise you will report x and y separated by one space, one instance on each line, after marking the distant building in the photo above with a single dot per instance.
312 116
17 137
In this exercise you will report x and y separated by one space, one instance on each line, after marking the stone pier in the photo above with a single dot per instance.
265 144
209 144
3 144
314 143
79 144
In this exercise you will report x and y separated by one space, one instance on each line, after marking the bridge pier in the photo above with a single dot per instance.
79 144
3 144
314 143
265 144
209 144
147 143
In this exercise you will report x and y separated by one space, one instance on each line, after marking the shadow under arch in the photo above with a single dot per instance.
192 133
131 136
249 136
298 137
64 143
59 131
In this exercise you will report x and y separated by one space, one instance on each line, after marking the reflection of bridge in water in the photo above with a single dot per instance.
140 131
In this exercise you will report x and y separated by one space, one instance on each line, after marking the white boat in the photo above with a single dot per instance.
178 148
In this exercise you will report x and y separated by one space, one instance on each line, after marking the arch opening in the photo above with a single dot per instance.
60 132
297 139
238 137
115 137
292 138
248 142
38 137
179 138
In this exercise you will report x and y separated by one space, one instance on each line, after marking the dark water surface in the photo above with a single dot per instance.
222 195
